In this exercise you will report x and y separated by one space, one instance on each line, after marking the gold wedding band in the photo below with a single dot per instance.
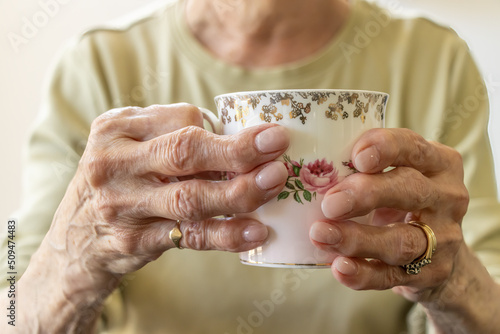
415 267
176 235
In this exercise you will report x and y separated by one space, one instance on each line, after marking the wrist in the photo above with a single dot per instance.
468 301
63 295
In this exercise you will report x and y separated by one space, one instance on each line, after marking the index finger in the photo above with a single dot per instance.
378 149
143 124
192 150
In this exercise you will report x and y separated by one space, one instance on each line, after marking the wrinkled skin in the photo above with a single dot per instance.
123 201
425 185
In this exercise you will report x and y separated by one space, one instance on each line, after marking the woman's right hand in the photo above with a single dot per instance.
121 204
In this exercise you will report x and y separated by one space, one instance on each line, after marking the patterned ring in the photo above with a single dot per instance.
176 235
414 268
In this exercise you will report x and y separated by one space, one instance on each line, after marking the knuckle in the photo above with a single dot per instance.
408 246
419 188
178 150
224 238
454 156
96 166
210 235
107 207
243 197
451 156
413 185
361 184
187 107
195 236
185 201
419 154
462 199
102 122
106 122
440 272
417 148
394 276
239 155
191 113
450 159
455 238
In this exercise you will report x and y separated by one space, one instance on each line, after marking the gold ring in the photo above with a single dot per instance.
415 267
176 235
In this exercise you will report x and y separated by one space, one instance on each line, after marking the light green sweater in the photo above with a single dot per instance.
435 90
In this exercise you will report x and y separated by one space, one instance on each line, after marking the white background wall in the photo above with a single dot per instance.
23 69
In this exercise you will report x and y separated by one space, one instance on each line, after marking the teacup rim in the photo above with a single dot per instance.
323 90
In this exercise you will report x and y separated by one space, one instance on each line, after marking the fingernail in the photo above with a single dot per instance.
367 159
272 175
345 266
325 233
255 232
336 205
272 139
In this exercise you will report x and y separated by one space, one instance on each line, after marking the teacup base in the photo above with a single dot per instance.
287 265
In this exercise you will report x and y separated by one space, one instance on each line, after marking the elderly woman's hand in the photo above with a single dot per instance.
122 203
426 184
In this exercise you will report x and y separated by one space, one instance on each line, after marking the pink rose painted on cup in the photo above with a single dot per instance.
319 176
306 180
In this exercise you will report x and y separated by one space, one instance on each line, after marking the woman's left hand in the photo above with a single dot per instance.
425 184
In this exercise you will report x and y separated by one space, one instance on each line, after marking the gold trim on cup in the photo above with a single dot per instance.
276 264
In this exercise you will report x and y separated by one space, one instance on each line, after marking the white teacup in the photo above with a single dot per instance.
323 126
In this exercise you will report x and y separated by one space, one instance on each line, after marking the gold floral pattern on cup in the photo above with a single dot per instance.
348 104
